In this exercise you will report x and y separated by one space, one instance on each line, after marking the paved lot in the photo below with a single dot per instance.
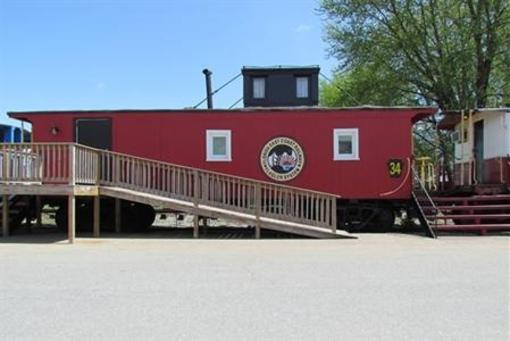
378 287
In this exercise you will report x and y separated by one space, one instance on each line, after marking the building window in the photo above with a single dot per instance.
218 145
259 87
345 144
302 87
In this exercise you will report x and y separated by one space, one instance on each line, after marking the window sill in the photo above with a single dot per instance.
346 158
219 160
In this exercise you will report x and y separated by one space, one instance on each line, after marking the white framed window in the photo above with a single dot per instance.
346 144
302 87
259 87
218 145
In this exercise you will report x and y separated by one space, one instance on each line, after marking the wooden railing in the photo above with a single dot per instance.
219 190
87 165
77 164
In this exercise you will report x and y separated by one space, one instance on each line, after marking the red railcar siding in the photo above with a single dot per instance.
179 137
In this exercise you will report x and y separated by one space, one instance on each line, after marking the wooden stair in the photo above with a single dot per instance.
476 213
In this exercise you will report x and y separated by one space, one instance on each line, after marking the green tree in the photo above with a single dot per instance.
366 84
452 53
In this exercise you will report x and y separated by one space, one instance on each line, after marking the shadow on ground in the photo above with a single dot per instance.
50 234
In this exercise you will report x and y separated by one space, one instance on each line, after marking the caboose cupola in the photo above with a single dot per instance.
281 86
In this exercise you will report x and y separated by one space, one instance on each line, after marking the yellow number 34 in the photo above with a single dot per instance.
395 168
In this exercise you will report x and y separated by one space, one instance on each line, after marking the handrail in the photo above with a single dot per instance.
81 146
72 163
207 171
217 189
419 186
423 188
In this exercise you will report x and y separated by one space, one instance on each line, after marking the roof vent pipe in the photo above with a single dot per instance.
208 87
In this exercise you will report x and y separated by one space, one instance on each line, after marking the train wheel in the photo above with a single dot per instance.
384 219
366 218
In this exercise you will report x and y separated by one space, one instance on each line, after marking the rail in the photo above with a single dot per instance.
54 163
424 202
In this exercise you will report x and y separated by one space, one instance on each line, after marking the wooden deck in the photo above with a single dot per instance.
72 170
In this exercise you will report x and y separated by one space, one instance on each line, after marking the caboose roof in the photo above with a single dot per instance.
419 113
427 110
315 68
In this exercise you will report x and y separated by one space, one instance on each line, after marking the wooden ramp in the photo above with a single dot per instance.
215 212
72 170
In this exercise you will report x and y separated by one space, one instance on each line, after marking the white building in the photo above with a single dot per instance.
482 145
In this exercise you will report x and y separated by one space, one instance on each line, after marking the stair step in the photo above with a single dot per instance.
478 198
474 227
474 207
470 216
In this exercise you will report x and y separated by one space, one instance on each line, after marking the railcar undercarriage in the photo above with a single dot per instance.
135 217
368 215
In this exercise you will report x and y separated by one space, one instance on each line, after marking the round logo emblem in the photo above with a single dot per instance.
282 159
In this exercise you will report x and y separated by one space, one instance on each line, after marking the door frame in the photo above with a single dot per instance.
76 120
479 159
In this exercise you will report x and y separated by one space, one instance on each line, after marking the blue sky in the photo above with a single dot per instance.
114 54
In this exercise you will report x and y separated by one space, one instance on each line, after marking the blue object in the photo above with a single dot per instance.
10 134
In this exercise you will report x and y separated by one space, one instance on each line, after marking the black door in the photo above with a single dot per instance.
94 132
478 150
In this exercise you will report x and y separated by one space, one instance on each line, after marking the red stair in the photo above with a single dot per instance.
477 213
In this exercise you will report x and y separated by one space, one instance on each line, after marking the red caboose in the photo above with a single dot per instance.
362 155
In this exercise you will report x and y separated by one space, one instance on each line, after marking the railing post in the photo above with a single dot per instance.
39 168
72 164
117 170
98 167
196 198
257 209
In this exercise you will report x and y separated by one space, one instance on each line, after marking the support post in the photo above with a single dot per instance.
5 216
257 210
97 216
71 218
196 226
118 215
38 211
196 194
257 230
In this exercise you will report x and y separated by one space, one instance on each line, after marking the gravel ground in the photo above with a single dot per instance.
394 287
